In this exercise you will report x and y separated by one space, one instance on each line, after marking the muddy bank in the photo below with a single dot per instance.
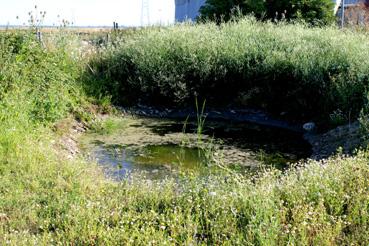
347 138
69 131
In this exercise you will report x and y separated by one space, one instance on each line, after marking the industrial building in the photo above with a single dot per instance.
187 9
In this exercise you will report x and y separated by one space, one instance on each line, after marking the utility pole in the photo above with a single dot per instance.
145 13
342 13
187 9
160 17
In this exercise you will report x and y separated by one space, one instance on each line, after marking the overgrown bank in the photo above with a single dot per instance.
308 73
45 199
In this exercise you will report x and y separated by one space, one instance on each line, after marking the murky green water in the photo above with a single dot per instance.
155 162
161 148
171 156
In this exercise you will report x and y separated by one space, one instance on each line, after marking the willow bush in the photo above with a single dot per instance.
306 72
314 12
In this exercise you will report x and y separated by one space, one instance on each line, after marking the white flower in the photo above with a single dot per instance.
212 193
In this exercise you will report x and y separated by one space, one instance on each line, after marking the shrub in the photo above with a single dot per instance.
307 72
318 12
220 10
42 82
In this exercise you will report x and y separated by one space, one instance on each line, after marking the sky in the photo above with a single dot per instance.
88 12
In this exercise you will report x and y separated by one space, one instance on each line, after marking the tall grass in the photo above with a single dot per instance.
46 199
306 72
320 204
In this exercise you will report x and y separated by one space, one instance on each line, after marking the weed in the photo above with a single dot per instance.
108 126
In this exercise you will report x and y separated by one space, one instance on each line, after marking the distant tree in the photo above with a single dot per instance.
223 9
311 11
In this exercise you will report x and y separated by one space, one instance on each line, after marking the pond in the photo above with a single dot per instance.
158 148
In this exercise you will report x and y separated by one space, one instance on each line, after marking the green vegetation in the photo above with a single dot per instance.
107 126
47 199
220 10
316 12
277 67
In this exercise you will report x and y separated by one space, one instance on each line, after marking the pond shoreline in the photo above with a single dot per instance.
244 146
323 143
252 116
